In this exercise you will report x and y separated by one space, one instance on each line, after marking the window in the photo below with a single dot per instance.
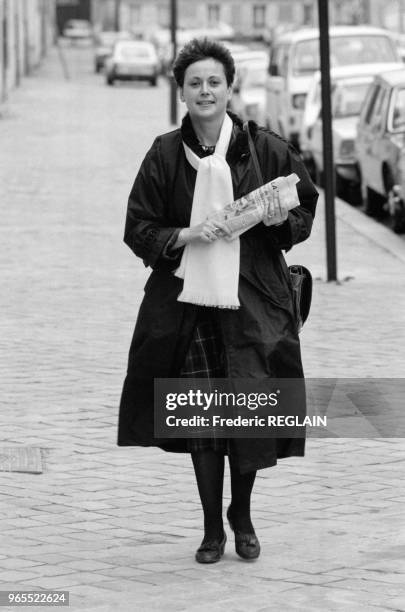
397 112
213 14
370 101
348 99
378 117
259 16
344 50
279 60
306 57
374 105
308 16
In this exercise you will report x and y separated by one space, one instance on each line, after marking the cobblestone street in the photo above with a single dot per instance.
118 527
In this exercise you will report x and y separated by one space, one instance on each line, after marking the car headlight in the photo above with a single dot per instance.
346 148
298 101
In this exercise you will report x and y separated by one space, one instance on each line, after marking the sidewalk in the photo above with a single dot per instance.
118 527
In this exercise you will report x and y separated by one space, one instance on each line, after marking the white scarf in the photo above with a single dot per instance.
211 271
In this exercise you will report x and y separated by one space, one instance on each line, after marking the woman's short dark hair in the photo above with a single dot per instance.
201 49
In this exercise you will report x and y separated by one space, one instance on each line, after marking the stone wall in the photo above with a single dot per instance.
26 32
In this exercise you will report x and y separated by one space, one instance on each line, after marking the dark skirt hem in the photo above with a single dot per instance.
270 461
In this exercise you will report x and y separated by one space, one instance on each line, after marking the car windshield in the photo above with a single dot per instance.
348 100
253 76
397 120
134 52
345 50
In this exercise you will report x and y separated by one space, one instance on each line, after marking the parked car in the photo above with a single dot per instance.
295 58
104 44
77 29
349 86
381 147
132 60
249 93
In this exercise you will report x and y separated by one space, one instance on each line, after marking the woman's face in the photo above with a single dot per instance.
205 90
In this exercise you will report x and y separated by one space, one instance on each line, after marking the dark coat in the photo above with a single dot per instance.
260 338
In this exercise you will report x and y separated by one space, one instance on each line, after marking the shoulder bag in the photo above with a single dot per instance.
300 276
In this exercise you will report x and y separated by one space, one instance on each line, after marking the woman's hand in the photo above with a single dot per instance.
276 212
205 232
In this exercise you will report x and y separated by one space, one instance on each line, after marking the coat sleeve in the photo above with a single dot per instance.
281 159
147 230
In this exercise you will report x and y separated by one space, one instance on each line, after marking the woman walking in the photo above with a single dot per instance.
213 308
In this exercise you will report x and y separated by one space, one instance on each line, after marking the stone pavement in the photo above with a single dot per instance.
118 527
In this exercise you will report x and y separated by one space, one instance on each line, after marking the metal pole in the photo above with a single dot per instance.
173 86
43 28
328 167
4 41
117 8
17 13
27 66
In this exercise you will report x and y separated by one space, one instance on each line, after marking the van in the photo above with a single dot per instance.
294 58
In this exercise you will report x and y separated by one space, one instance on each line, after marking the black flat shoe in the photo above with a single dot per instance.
211 551
247 545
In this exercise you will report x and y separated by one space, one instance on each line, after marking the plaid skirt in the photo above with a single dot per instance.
205 358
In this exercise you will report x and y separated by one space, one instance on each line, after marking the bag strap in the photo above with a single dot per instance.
253 153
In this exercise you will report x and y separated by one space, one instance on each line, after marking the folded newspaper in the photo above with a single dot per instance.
244 213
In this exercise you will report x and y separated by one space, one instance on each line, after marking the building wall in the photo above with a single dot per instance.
247 17
278 14
26 32
240 14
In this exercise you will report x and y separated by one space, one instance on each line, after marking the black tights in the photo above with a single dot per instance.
209 471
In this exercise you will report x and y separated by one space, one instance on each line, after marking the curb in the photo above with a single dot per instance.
371 229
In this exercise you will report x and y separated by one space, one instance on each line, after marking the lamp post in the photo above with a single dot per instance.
4 50
117 11
173 38
328 168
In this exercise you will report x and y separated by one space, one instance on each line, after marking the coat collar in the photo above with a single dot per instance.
238 147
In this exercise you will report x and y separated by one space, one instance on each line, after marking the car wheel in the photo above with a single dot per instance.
110 80
153 81
342 187
348 190
374 203
398 221
396 208
395 213
355 195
